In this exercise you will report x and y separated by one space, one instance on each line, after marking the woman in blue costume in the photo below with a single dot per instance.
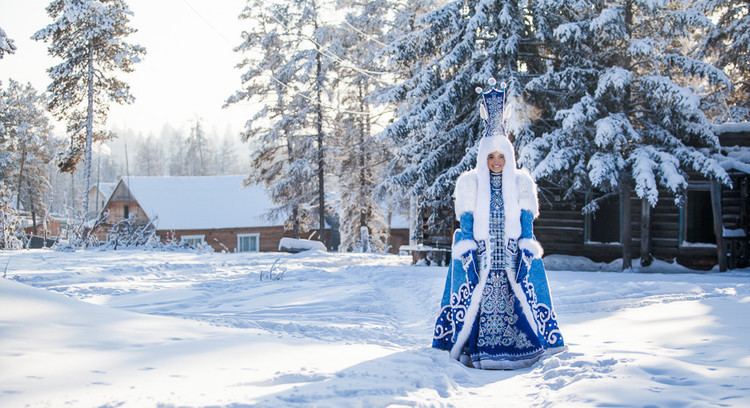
496 311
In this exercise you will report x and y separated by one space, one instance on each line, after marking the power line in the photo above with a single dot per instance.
208 23
368 36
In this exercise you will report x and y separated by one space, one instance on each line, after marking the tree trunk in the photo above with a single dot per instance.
295 205
89 130
199 141
20 177
362 163
32 208
625 227
319 128
413 225
73 193
625 224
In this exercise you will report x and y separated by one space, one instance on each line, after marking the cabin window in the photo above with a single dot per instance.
192 240
126 212
697 218
248 242
603 226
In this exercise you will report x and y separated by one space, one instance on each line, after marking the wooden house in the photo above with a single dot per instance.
217 210
98 195
711 227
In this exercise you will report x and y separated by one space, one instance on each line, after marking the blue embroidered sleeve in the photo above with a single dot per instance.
467 225
527 224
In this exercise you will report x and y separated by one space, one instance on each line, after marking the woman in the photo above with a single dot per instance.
496 311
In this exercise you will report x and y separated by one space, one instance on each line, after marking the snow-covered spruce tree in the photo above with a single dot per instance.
626 114
7 45
25 122
359 154
281 145
89 36
402 23
314 65
9 222
286 73
727 45
451 51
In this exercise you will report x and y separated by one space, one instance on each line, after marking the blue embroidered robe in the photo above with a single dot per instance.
514 322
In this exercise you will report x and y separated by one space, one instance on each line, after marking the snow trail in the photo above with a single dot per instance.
150 328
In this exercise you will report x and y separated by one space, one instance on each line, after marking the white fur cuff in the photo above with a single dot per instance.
462 247
527 192
532 246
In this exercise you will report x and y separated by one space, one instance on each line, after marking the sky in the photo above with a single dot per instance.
187 73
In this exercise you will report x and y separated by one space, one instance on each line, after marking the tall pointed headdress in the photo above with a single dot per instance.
491 108
494 140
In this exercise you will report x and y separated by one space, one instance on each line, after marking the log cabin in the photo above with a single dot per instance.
709 228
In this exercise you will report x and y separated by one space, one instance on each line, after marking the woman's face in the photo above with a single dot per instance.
496 162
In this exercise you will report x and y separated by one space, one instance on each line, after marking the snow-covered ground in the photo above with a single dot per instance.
135 328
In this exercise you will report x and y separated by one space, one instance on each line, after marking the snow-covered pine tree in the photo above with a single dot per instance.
405 15
285 74
360 155
453 49
314 64
280 147
30 126
624 108
7 45
89 36
26 148
9 222
727 45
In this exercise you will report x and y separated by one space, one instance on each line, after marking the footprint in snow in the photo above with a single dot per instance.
291 378
562 370
667 377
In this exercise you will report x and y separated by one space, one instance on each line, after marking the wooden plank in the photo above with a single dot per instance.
718 227
658 242
556 228
645 233
562 222
670 227
576 236
560 213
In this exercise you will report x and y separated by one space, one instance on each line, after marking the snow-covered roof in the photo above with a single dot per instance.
733 127
201 202
106 189
399 221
